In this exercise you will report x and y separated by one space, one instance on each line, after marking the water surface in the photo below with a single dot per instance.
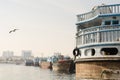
21 72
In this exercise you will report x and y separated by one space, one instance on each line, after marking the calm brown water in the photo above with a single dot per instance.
21 72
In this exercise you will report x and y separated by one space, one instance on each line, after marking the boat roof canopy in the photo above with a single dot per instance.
102 10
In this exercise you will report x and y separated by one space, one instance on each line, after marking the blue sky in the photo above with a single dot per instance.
46 26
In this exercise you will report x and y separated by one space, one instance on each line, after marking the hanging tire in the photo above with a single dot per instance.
76 52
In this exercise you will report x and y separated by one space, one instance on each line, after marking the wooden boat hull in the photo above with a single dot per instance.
46 65
64 66
107 69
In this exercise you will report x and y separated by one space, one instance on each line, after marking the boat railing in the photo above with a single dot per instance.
99 34
104 9
99 28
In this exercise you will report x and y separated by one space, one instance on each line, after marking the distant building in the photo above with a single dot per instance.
8 54
27 54
57 54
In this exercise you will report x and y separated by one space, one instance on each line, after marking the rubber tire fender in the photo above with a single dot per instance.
76 52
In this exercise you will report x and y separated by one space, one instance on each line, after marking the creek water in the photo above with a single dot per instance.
21 72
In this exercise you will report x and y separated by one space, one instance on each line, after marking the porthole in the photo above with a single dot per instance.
89 52
93 52
109 51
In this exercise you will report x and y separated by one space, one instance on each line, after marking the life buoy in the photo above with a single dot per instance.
76 52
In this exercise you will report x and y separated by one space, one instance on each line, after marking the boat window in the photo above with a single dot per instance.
115 22
90 52
93 52
107 22
109 51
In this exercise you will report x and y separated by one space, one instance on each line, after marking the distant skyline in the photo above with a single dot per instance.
46 26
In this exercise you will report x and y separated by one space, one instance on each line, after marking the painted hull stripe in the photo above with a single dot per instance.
98 45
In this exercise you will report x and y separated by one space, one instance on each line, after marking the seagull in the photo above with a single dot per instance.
13 30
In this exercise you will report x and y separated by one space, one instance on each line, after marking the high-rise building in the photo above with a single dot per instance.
26 54
8 54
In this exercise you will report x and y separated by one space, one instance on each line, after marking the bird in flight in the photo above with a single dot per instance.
13 30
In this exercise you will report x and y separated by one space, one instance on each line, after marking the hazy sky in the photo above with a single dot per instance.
46 26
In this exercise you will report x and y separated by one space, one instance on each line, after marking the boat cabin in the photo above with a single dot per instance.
98 31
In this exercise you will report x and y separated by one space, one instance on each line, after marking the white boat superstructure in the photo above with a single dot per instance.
98 32
97 52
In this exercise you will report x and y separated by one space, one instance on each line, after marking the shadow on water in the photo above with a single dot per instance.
63 76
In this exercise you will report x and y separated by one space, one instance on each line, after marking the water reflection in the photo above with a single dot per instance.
21 72
59 76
